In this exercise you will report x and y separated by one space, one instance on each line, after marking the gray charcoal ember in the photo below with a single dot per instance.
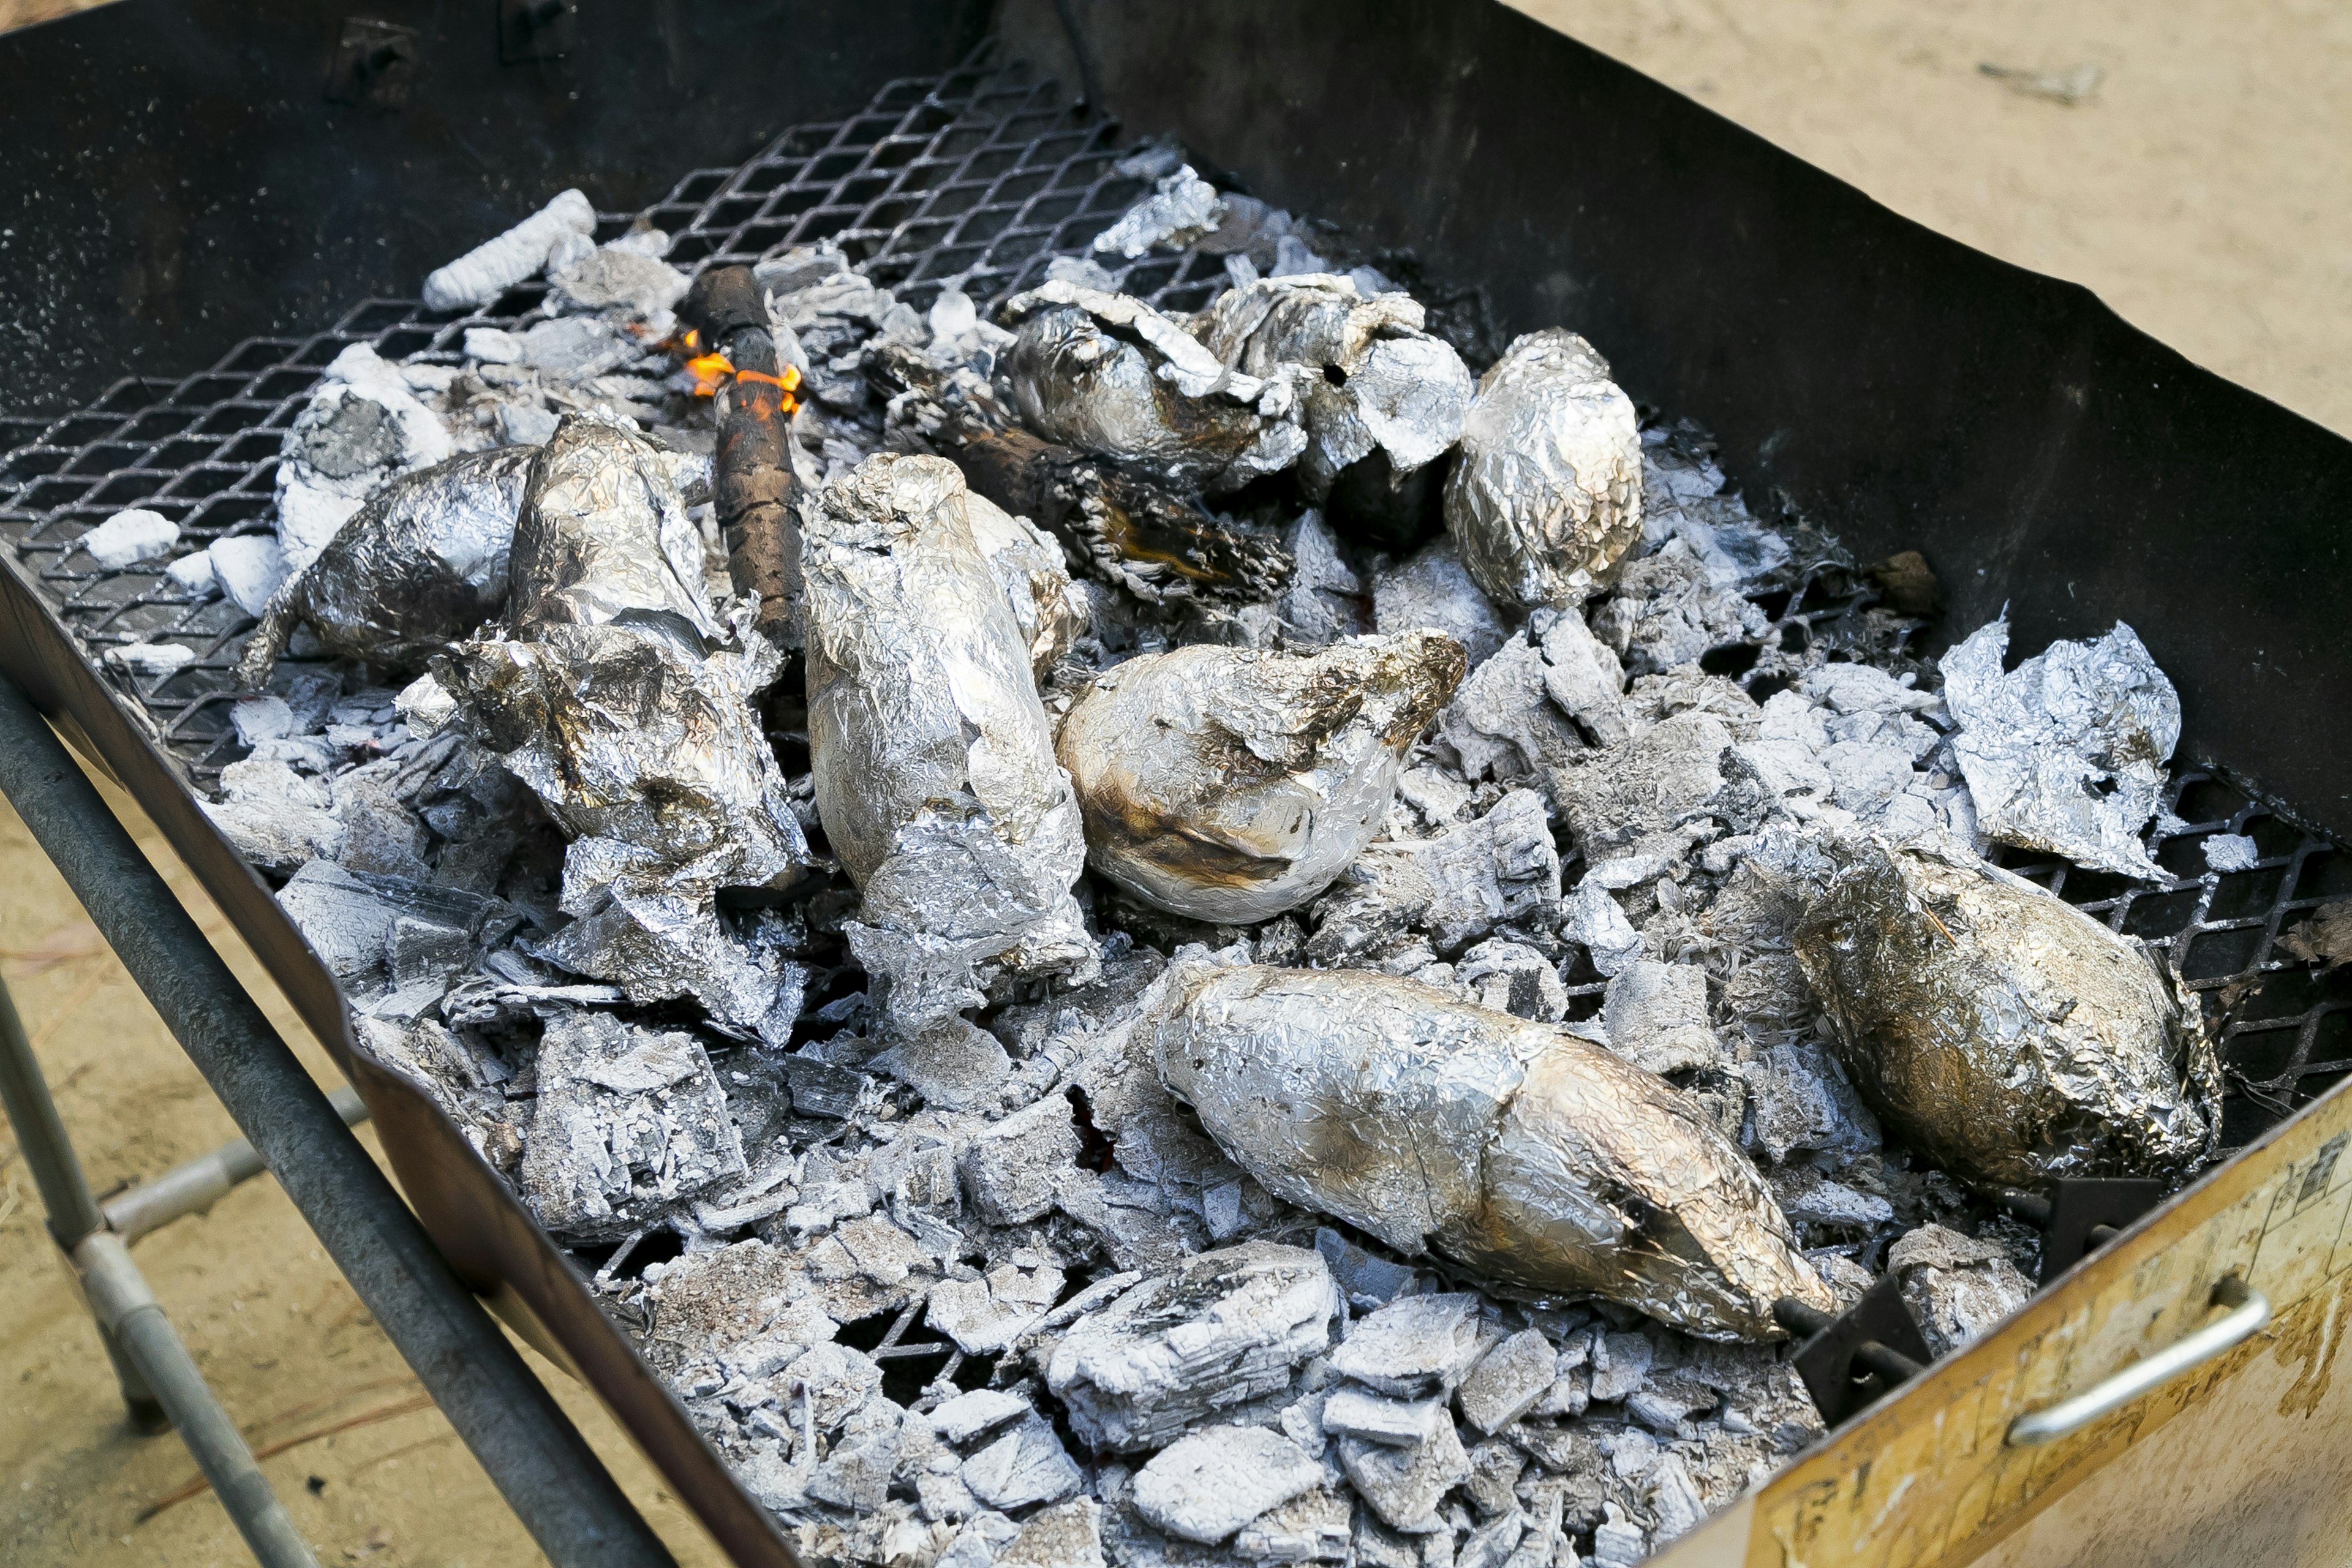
1673 1499
1207 1484
1520 1157
1372 1544
856 1475
1666 611
1492 1543
1457 887
1029 566
576 350
953 1063
934 762
1618 1541
1957 1286
945 1498
1665 1404
978 1542
416 570
1013 1171
1799 1099
1224 1327
1545 496
1380 384
838 1381
1027 1465
1545 1540
1512 977
1433 589
362 426
1301 1420
628 1125
1365 1281
1495 1467
1652 783
1323 602
621 282
1309 1528
1066 1535
967 1416
1620 1363
1108 374
1507 1383
2004 1033
1404 1486
1229 785
1182 208
1351 1412
465 1081
1437 793
1500 725
985 1316
275 817
381 834
2066 753
1811 1199
348 917
1656 1016
1590 917
1417 1347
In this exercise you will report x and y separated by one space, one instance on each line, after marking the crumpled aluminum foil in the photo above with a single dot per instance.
1108 374
2003 1033
1029 566
1182 208
1231 785
1514 1147
933 757
632 714
2066 753
1398 390
422 565
1545 497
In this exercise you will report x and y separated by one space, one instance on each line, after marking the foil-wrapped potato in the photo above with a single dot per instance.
933 757
2006 1035
420 567
1110 375
1545 497
1382 385
1514 1147
1231 785
605 537
1029 566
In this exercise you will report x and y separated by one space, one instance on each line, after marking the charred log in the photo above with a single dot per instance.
751 478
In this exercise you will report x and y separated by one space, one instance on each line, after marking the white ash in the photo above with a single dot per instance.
489 269
151 658
2231 852
129 536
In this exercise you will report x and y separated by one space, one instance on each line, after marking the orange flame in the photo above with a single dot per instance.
709 371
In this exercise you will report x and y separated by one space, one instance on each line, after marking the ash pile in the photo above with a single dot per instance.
1153 940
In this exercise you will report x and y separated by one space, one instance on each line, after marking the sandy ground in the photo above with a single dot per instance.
2200 187
282 1338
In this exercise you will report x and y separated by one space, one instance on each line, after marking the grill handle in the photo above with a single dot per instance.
2249 1311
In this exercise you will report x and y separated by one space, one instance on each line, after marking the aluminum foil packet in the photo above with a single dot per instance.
2003 1033
1523 1151
363 425
1380 384
933 757
2066 753
1110 375
1231 785
1048 606
1545 496
420 567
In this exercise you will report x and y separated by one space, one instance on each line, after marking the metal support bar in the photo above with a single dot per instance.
125 1308
549 1477
197 1185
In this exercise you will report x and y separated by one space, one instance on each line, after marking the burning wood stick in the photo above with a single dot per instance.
751 478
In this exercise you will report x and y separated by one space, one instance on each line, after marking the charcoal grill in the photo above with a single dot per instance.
1895 387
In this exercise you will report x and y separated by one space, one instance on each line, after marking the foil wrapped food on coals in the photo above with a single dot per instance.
1514 1147
1231 785
419 568
1028 565
2066 753
1545 496
1383 390
1110 375
933 757
632 714
2006 1035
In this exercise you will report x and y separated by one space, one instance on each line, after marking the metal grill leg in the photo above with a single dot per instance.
160 1381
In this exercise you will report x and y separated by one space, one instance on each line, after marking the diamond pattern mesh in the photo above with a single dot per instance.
979 178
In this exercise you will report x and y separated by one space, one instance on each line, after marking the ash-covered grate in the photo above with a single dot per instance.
976 178
979 178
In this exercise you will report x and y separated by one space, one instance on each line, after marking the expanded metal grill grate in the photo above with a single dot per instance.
979 178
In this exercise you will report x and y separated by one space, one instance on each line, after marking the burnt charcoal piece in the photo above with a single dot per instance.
751 473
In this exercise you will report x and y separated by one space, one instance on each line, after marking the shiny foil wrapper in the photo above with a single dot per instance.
1110 375
640 732
2003 1033
420 567
933 757
1028 565
1545 496
1518 1149
2066 753
1380 382
1231 785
